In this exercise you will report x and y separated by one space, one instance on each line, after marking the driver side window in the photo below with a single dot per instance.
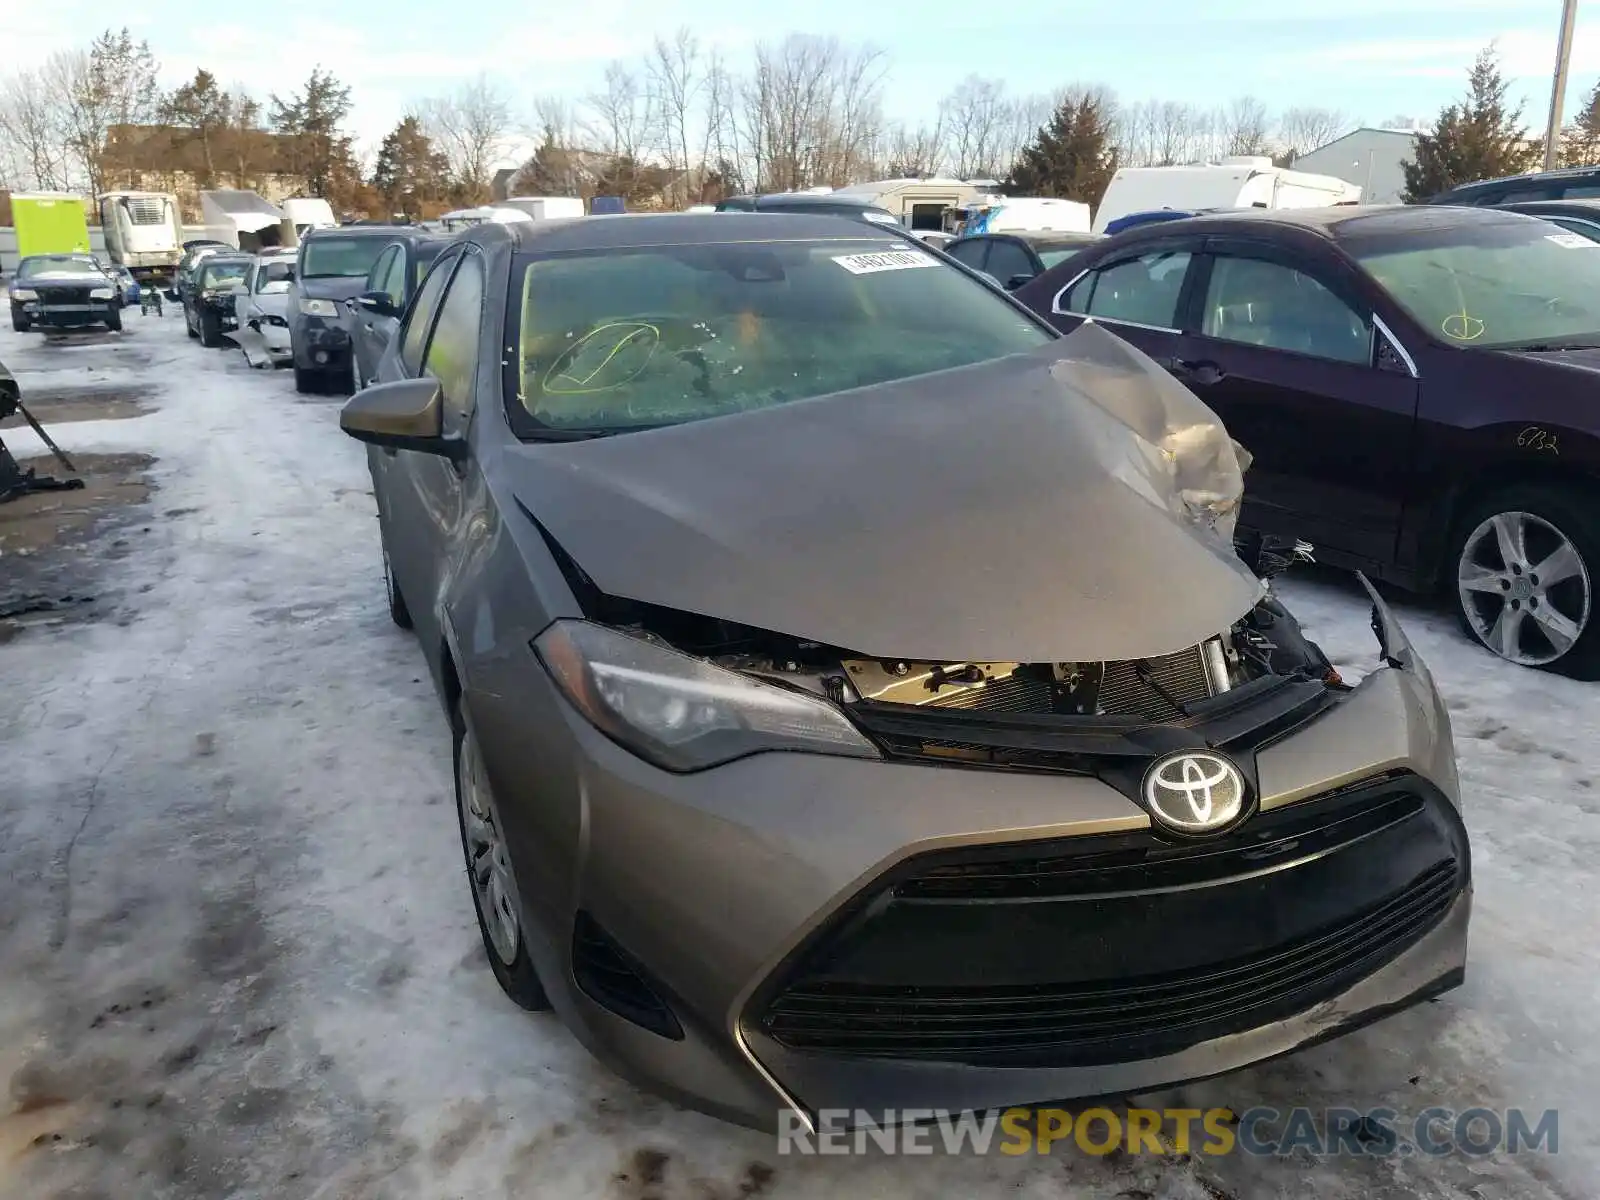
378 276
452 356
1268 304
415 336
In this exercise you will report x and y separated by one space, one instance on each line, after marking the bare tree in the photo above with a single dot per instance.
913 153
470 128
720 146
1301 130
620 115
1244 126
975 117
33 130
812 113
110 85
676 79
1024 117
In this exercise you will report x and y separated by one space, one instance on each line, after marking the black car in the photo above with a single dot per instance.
1570 183
375 314
208 303
194 253
1417 386
813 203
1576 216
63 291
332 267
1012 259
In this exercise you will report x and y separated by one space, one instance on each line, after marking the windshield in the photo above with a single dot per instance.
216 273
341 257
56 266
274 275
1494 286
628 339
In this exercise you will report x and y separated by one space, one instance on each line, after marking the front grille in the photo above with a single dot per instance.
1136 1018
1015 693
1145 861
50 295
1115 947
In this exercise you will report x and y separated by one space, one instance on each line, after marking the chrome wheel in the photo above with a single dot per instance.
1524 588
494 886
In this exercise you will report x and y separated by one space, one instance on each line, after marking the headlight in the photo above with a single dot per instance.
680 712
209 294
318 308
102 293
24 294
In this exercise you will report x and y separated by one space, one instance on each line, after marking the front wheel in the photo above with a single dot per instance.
398 612
19 320
489 872
114 320
307 382
210 330
188 323
1526 562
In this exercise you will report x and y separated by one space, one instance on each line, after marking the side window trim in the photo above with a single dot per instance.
444 296
375 276
1382 328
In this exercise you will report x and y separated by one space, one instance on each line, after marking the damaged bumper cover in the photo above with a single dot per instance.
818 932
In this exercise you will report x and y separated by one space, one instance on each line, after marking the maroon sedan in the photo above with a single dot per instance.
1419 386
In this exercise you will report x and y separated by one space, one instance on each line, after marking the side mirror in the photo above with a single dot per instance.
379 303
405 415
1017 281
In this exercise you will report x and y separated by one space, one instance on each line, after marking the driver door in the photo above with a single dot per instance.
371 331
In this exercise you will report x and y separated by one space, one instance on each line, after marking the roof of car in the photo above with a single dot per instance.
390 232
1338 221
1558 173
1586 207
681 229
1040 237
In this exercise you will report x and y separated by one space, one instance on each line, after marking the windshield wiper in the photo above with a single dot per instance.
1549 347
572 435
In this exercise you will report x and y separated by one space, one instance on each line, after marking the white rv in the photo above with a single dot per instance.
544 208
308 212
143 232
918 203
1242 182
246 221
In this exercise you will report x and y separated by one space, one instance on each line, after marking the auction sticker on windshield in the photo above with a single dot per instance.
887 260
1572 241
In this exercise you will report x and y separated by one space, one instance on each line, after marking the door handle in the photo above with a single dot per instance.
1204 372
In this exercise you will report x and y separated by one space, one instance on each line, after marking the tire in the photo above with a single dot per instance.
19 320
1546 515
398 612
307 382
114 320
188 325
210 330
509 960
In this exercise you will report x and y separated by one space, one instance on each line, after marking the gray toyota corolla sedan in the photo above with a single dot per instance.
859 700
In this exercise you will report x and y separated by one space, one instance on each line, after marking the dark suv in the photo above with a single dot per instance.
332 267
1571 183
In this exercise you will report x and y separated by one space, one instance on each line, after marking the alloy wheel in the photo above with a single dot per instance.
494 885
1524 588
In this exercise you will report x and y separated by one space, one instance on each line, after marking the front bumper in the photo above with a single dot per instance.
320 344
68 314
821 932
225 314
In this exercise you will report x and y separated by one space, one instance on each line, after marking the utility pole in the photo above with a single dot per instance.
1558 92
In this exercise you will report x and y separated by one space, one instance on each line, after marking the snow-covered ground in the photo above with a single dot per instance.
238 957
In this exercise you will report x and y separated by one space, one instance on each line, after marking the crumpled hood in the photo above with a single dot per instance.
338 287
1072 504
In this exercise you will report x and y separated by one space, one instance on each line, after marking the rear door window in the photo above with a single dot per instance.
1007 259
1139 291
452 356
969 253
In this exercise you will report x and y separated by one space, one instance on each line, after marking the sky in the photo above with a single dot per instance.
1371 59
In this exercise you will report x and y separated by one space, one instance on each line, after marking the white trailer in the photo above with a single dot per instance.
1242 182
545 208
143 231
246 221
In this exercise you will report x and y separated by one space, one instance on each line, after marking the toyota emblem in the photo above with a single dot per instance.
1194 791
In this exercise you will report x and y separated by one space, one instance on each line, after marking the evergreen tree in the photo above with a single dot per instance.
1481 137
316 148
409 174
1071 156
1581 140
200 111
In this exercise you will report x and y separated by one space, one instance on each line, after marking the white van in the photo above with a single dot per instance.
1244 182
1006 214
545 208
308 213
